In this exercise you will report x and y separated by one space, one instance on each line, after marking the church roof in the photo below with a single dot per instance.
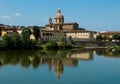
61 24
68 31
110 32
74 31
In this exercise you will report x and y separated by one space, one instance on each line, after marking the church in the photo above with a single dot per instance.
59 23
58 29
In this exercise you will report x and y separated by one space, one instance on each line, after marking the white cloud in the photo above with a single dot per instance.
17 14
6 17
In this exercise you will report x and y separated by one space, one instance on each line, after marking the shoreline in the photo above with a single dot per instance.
95 47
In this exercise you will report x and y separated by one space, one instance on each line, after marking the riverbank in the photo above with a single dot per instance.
95 47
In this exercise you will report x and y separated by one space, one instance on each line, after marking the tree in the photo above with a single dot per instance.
26 42
11 41
116 37
15 38
15 41
69 45
99 38
104 38
6 43
64 41
26 34
36 32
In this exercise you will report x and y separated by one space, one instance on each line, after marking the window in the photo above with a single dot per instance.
56 20
59 20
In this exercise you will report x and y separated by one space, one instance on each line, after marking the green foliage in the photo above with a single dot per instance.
64 41
36 32
6 42
77 48
52 45
116 37
26 34
69 45
116 48
31 44
111 52
39 46
65 44
25 40
11 41
99 38
15 41
35 62
109 39
105 38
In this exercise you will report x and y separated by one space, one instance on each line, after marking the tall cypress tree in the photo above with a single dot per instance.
36 32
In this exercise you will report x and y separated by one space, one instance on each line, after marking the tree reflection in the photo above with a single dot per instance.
35 61
108 53
58 67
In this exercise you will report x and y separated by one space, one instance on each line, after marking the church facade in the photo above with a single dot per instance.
58 29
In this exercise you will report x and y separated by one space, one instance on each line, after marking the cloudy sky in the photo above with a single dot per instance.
91 14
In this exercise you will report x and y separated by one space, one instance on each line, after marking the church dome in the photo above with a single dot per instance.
59 15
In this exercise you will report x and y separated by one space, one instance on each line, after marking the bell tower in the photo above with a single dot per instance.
50 20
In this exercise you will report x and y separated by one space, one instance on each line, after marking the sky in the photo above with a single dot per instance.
97 15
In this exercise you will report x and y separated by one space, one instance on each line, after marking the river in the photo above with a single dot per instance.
60 67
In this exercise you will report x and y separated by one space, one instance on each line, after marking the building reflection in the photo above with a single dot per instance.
82 55
58 64
56 60
70 60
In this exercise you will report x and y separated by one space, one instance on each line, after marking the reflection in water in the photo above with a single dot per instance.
108 53
82 55
56 59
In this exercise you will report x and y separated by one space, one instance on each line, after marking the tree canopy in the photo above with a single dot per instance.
116 37
99 38
36 32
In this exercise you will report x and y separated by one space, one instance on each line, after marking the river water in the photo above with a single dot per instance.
60 67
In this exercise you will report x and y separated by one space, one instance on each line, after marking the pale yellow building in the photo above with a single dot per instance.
79 35
19 31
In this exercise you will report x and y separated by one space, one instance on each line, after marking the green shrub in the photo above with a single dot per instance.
52 45
65 44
